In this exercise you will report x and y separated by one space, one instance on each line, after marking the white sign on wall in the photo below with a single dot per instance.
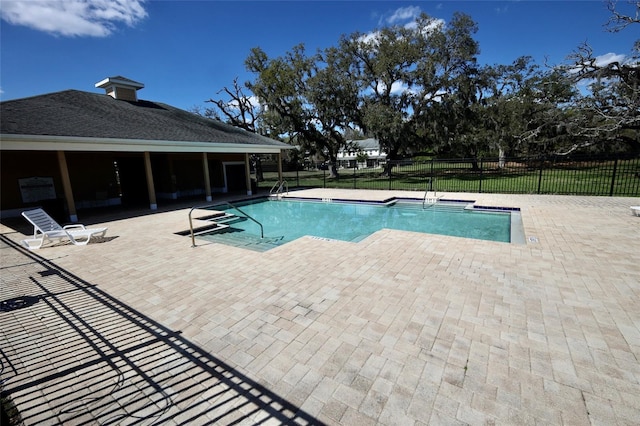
37 188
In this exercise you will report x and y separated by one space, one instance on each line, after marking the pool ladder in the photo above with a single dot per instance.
281 186
193 238
430 201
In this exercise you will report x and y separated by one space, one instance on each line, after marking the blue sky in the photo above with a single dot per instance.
186 51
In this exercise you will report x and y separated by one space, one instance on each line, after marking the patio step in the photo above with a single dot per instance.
239 238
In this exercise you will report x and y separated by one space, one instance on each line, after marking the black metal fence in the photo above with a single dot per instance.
548 175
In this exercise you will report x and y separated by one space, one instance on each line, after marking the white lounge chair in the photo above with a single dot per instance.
46 229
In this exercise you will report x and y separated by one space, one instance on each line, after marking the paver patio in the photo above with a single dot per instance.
400 328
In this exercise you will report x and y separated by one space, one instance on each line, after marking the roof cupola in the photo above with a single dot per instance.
121 88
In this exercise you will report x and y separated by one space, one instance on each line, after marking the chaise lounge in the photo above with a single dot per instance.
46 229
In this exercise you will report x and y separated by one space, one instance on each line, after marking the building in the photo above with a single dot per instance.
76 150
361 153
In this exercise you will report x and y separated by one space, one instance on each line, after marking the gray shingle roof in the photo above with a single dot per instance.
82 114
370 143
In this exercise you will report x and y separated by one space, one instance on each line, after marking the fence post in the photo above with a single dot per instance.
480 185
540 175
613 178
324 178
431 177
354 176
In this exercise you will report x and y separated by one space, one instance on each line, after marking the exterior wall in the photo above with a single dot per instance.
189 174
92 175
348 158
17 165
93 179
181 175
217 171
234 176
216 175
163 176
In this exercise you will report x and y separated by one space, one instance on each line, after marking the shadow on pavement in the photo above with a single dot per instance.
72 354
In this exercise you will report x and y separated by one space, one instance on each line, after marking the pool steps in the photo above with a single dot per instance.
228 218
219 230
231 237
214 223
219 222
439 206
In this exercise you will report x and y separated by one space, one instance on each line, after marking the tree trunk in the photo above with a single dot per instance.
257 165
333 171
388 166
390 163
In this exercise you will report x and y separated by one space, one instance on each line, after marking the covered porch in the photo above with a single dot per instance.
66 182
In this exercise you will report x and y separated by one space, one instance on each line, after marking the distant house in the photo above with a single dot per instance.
366 150
80 150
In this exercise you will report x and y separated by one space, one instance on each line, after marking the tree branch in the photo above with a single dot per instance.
618 21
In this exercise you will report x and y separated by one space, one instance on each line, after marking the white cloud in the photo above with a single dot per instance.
404 14
436 24
252 100
95 18
397 88
602 61
370 38
606 59
406 17
436 97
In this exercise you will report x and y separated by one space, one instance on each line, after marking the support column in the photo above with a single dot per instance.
66 185
207 181
173 180
247 174
153 204
280 166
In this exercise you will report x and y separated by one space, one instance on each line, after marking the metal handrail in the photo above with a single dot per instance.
424 199
280 185
193 238
284 184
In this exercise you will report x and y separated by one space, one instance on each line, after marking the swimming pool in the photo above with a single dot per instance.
286 220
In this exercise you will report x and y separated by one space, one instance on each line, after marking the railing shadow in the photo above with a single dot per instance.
72 354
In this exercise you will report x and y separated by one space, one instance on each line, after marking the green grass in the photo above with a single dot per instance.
594 178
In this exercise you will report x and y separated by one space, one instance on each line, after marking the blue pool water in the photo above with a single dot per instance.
289 220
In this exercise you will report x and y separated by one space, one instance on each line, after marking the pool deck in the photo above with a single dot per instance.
400 328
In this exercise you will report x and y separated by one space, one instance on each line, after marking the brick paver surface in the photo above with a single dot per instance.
400 328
